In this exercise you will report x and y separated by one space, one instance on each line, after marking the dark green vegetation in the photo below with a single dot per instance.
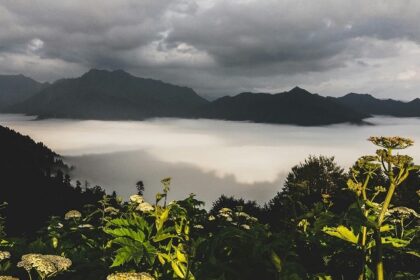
117 95
17 88
34 185
325 223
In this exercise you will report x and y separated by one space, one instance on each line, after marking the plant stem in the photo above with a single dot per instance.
379 253
386 203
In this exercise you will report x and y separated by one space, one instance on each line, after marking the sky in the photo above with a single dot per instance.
221 47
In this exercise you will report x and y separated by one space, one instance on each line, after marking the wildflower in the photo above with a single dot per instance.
88 226
136 198
130 276
380 189
166 181
111 210
4 255
403 212
392 142
58 225
247 227
145 207
211 218
355 187
8 278
225 212
198 226
173 202
303 224
253 219
45 265
244 215
325 198
72 214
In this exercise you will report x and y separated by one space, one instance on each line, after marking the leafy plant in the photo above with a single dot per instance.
154 239
370 226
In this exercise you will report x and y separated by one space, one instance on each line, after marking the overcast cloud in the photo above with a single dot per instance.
221 47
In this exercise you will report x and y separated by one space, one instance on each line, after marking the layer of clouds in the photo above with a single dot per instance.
221 47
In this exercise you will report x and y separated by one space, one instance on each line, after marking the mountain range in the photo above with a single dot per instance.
118 95
17 88
100 94
296 106
366 103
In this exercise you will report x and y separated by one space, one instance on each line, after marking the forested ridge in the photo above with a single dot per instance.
324 223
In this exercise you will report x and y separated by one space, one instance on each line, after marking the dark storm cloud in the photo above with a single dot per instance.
218 47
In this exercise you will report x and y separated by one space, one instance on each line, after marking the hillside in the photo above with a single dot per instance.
101 94
33 183
367 104
17 88
296 106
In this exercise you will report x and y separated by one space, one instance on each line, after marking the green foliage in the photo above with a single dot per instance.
374 224
325 224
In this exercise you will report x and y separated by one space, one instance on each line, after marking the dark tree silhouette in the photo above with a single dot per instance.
140 187
34 184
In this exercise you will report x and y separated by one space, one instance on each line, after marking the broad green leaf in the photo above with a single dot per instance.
54 242
126 232
163 236
161 219
275 259
414 253
180 256
177 269
341 232
123 255
387 227
395 242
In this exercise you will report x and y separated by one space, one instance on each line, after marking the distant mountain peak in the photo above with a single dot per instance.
17 88
95 71
353 94
297 89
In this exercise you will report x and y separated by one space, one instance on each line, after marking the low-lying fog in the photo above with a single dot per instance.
206 157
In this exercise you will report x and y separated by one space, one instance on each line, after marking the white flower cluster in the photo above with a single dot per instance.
8 278
136 198
111 210
145 207
72 214
130 276
4 255
403 212
142 205
235 218
45 265
87 226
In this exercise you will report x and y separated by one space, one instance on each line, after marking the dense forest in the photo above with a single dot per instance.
324 223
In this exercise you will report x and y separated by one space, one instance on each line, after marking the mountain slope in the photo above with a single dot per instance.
367 104
296 106
101 94
33 184
17 88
